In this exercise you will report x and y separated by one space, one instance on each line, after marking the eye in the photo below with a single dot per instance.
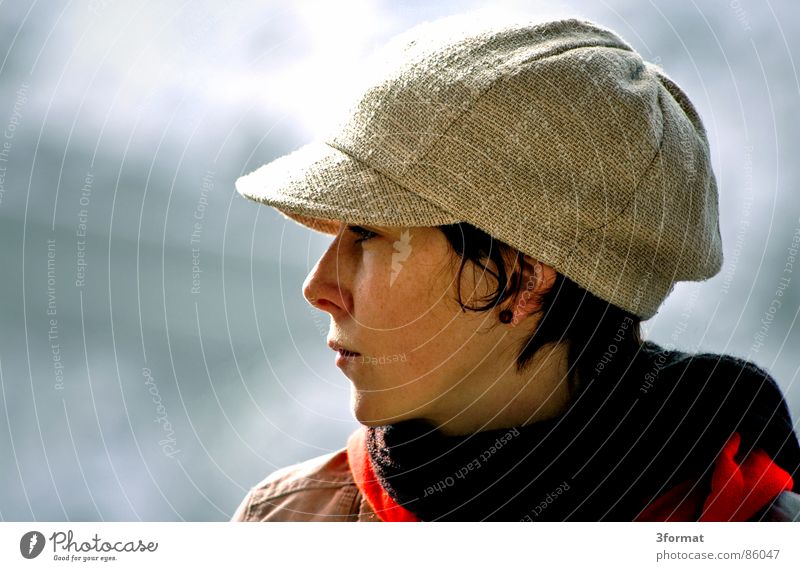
362 233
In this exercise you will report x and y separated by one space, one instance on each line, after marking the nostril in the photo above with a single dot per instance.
322 304
325 292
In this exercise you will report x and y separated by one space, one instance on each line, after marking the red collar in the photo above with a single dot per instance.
367 482
737 491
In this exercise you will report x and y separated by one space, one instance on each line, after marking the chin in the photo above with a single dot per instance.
370 412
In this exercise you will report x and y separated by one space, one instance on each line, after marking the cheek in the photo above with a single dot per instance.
412 308
440 342
409 308
397 295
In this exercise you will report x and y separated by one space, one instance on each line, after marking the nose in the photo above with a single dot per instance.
326 286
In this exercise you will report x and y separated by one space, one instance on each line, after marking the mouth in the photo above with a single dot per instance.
343 351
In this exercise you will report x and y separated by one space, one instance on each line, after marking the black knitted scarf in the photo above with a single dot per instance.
620 444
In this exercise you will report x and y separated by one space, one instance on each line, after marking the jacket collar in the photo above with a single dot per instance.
379 500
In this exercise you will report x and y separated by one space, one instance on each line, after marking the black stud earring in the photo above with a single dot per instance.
506 316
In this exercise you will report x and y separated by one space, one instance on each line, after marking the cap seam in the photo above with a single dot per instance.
352 157
498 79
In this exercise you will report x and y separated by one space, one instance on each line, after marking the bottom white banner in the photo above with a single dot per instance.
401 546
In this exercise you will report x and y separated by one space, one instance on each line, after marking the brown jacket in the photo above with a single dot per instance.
320 489
323 489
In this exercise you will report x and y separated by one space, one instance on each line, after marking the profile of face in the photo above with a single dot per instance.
391 293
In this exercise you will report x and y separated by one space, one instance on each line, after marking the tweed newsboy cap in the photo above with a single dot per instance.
556 138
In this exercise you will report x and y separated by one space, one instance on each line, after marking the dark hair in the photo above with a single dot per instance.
601 336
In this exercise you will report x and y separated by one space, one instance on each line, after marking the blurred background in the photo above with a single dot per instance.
157 357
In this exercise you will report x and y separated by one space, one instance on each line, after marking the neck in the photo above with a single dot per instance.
507 398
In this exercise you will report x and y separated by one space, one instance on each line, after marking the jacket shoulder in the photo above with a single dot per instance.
319 489
785 507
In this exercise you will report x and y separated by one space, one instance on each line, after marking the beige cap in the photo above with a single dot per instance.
556 138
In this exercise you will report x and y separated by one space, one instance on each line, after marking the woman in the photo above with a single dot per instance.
508 204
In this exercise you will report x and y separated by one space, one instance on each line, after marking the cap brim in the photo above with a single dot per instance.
320 186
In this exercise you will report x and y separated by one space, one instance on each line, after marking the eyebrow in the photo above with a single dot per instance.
372 227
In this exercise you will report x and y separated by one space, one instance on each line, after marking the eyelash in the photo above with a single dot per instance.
362 233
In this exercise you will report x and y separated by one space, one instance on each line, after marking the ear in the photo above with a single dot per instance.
537 279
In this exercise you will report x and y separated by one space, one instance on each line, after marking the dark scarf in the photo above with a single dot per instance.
621 444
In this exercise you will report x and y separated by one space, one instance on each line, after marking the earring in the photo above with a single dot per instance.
506 315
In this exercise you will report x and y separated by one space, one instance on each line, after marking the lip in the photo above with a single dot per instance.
344 355
341 348
344 359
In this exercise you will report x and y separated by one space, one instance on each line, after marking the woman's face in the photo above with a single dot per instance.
391 295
